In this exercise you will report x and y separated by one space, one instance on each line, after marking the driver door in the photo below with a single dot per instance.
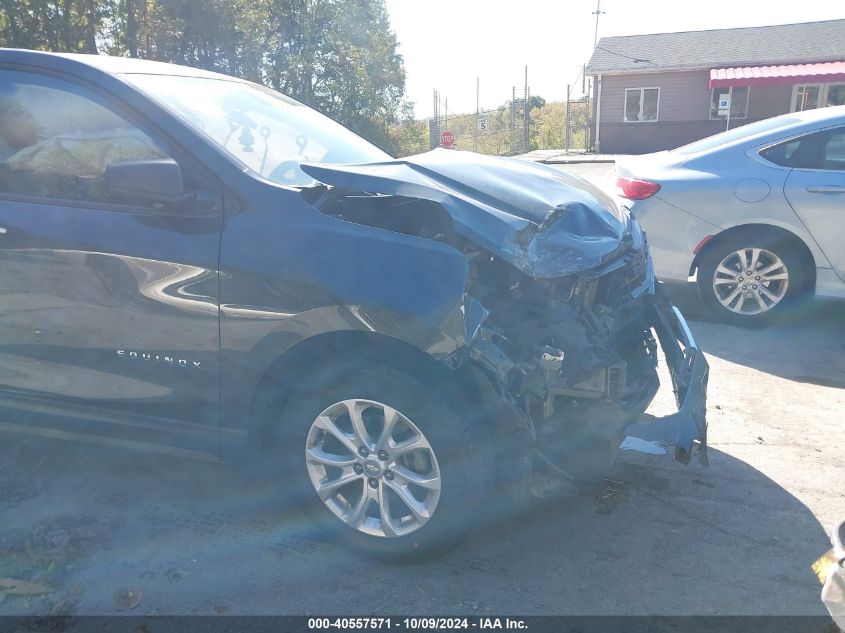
108 306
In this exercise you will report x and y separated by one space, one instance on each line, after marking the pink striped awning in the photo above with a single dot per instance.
791 74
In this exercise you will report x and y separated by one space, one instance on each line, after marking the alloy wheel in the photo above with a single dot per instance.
750 281
373 468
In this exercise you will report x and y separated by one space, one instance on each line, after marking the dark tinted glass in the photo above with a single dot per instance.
823 150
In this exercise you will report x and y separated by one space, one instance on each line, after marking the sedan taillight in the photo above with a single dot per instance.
635 189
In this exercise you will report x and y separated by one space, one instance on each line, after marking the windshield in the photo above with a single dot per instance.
266 131
745 131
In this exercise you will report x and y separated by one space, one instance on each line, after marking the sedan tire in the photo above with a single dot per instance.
751 278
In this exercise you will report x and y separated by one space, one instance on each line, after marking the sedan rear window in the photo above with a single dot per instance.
823 150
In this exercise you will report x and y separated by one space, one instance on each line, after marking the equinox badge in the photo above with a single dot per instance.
159 358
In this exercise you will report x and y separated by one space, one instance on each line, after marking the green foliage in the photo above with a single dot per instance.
548 125
336 55
59 25
408 136
547 122
535 101
340 57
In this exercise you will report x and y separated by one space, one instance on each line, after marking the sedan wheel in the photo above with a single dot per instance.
750 281
373 468
753 277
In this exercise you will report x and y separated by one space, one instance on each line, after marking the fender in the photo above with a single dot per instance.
296 270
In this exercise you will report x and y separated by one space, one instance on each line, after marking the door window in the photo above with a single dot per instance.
56 140
823 150
834 152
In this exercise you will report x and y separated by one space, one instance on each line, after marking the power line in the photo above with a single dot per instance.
634 59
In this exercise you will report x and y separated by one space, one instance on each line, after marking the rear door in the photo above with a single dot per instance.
108 308
816 190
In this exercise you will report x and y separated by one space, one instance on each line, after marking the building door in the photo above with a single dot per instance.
811 96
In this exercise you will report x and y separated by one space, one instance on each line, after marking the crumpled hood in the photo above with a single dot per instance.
545 222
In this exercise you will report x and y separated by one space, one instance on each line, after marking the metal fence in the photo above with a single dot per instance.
519 126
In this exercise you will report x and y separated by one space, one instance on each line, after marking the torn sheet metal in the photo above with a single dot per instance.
642 446
545 222
685 429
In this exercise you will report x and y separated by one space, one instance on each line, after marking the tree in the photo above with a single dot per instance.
408 136
547 129
340 57
336 55
535 101
58 25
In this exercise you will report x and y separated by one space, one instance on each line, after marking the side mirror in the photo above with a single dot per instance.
150 181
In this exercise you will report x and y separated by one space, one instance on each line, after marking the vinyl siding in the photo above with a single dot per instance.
683 110
683 96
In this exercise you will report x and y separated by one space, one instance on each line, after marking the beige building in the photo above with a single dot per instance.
655 92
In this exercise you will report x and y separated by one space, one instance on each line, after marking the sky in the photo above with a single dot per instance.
447 44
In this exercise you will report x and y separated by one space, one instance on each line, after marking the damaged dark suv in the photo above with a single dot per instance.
199 266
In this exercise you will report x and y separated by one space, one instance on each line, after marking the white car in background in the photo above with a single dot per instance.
755 215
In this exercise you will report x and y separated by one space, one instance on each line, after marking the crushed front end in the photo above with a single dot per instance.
577 356
562 319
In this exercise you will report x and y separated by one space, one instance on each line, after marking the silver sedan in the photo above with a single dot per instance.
755 216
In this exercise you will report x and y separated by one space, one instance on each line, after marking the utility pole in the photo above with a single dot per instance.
477 93
513 122
566 124
434 126
586 122
526 115
597 13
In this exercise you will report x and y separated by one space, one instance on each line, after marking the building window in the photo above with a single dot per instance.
739 102
811 96
835 94
641 104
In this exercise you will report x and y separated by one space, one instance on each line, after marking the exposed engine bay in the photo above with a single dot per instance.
581 313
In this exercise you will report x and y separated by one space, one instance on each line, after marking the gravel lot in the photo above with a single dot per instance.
114 532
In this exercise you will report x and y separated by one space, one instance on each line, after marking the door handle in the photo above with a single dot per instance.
825 189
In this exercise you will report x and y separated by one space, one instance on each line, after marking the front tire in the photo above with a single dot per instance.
752 279
381 459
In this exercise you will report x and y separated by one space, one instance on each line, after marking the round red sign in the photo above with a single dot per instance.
447 139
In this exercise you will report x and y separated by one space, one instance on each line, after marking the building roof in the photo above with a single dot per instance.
781 44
